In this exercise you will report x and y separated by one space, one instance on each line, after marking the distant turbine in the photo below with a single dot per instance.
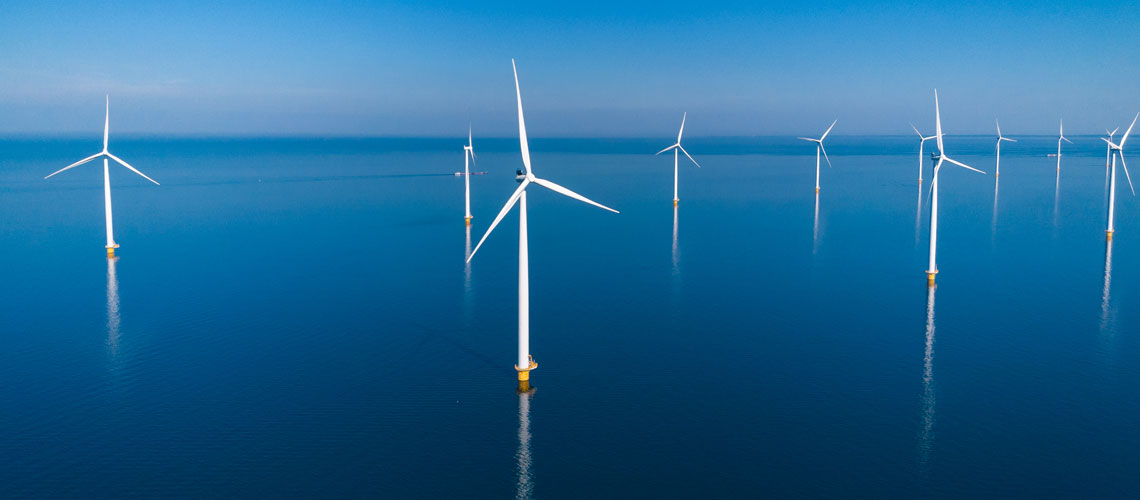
997 164
525 361
921 142
1107 148
111 245
933 269
1118 149
468 154
818 149
676 147
1061 137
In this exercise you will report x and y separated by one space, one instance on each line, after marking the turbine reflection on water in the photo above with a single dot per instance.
926 438
525 489
815 227
112 306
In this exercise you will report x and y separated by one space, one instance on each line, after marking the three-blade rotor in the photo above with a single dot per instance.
106 134
819 142
530 178
1119 150
941 151
678 144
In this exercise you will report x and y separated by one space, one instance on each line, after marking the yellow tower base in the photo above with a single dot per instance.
1109 233
524 386
467 221
674 203
111 251
817 190
524 373
930 278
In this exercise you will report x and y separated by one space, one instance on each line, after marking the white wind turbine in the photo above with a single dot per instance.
1061 137
675 148
525 361
1118 149
921 142
468 154
933 269
997 164
1108 148
819 148
111 245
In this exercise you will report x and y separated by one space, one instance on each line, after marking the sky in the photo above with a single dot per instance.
587 69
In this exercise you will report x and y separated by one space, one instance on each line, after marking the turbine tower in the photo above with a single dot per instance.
1118 150
819 148
468 154
921 142
1000 139
525 361
111 245
933 269
675 148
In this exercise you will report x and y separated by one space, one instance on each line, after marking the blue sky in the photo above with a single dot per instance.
587 68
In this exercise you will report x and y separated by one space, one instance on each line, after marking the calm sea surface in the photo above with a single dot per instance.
293 318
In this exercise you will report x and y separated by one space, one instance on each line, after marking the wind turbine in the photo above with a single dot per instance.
1107 148
1118 149
933 269
1061 137
111 245
997 164
468 154
675 148
525 361
921 142
818 149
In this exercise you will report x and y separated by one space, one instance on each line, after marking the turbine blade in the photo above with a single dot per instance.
690 157
1110 143
682 127
668 148
1129 131
938 123
998 127
821 148
1067 140
1126 176
522 125
76 164
561 190
828 131
915 130
107 123
472 151
498 218
1008 139
960 164
1113 131
808 139
123 163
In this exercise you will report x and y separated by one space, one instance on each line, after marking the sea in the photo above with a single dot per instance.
294 318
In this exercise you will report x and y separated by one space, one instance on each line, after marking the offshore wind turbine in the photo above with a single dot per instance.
1118 150
933 269
921 142
1108 148
1000 139
468 154
675 148
1061 137
111 245
819 148
525 361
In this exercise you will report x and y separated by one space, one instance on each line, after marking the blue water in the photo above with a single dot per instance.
294 318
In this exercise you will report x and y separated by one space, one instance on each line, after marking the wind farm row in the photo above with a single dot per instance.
527 177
